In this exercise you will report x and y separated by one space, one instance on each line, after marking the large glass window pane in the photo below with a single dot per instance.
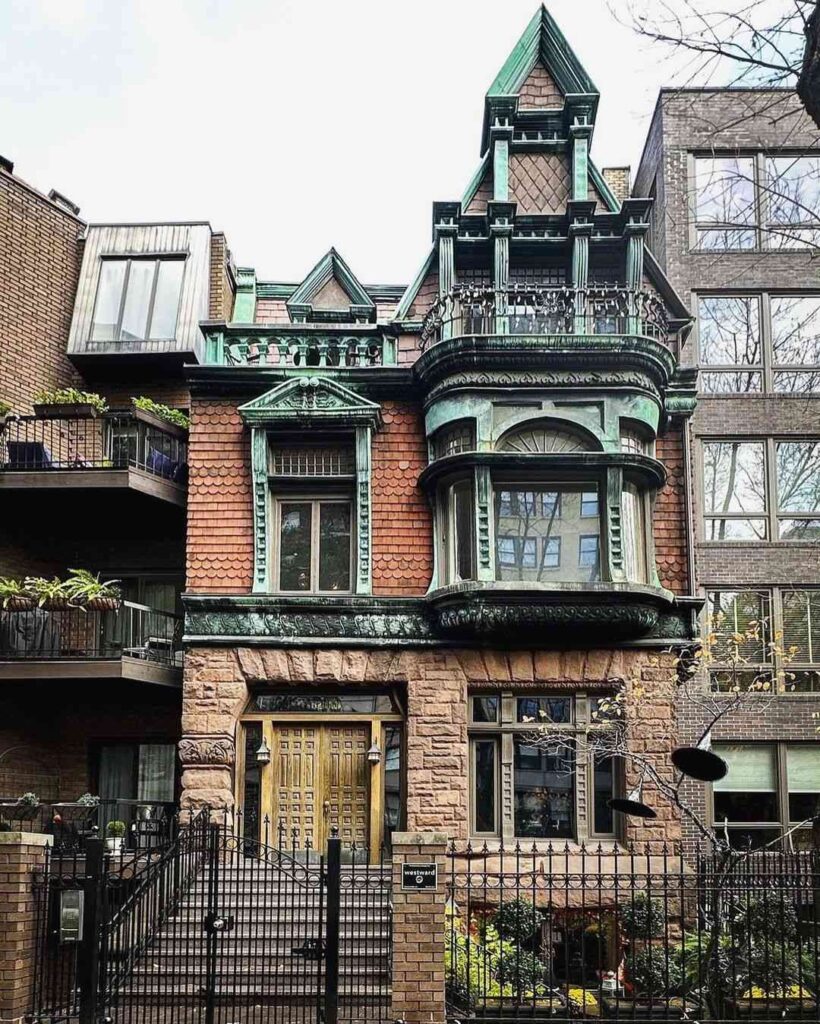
603 791
155 776
793 189
536 528
392 780
729 330
137 300
725 190
728 382
803 775
294 545
334 546
748 791
544 790
166 299
109 298
734 482
484 754
796 330
798 476
485 709
801 625
743 614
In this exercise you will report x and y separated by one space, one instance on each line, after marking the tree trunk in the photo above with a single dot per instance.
808 83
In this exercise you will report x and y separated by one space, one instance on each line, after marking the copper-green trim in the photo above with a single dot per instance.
331 265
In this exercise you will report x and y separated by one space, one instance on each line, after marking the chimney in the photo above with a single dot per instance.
618 180
6 164
64 202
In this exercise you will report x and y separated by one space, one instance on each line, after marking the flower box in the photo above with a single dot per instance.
152 420
66 411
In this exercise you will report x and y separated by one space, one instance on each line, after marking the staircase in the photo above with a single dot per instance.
267 954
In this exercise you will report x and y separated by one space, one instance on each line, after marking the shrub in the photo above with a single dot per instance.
115 829
165 412
655 971
517 920
5 407
642 917
88 800
70 396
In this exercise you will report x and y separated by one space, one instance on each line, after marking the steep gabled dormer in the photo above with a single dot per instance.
331 293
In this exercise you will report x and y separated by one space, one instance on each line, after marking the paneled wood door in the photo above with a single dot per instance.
320 778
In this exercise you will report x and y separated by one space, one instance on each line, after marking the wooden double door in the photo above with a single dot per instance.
319 779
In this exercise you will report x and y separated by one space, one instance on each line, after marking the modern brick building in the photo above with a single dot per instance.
408 523
735 175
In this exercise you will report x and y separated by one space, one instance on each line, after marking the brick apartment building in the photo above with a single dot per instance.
408 522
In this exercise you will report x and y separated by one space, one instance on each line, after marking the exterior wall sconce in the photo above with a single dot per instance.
374 755
263 753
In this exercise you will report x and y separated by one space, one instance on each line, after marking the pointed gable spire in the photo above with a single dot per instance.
331 291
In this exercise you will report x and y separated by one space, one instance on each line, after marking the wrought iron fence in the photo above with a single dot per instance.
566 933
213 927
62 633
298 347
113 441
528 310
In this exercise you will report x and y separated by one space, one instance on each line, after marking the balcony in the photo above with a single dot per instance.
131 641
298 346
148 823
118 451
523 311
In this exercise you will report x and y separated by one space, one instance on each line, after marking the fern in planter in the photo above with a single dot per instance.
13 595
48 593
164 412
85 589
70 396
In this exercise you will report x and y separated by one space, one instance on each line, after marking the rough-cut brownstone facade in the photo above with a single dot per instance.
41 255
436 683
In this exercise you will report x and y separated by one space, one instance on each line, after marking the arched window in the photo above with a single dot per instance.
548 438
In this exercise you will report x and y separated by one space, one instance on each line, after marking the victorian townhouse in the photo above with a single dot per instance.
408 525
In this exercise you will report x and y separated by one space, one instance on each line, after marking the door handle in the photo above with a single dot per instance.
326 808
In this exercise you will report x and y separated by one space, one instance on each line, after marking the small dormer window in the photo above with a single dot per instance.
138 299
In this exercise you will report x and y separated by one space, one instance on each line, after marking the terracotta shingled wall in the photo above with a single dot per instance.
540 91
669 520
402 525
220 516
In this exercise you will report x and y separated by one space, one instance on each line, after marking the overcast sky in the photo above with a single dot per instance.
292 125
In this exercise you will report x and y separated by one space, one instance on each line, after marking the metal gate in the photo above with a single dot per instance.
214 929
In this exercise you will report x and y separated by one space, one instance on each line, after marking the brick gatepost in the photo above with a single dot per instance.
418 931
21 853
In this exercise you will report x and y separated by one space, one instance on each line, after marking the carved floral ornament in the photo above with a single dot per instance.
207 750
311 398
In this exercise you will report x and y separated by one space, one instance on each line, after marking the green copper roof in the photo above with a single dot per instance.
542 39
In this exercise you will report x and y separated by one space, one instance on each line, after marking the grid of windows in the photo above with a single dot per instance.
770 793
759 343
514 764
756 201
780 628
761 490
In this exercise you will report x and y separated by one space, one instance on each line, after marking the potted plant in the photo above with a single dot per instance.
87 590
64 403
114 832
27 805
13 595
163 417
88 800
5 409
50 594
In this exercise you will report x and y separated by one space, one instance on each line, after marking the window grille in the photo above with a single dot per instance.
313 460
458 437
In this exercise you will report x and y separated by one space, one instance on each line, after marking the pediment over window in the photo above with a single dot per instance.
331 292
311 399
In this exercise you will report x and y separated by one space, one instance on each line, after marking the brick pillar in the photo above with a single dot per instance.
418 931
20 854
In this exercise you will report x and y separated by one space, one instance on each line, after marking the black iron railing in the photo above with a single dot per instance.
573 932
57 634
113 441
527 310
148 823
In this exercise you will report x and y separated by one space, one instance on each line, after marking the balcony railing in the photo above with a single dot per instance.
113 441
72 633
526 310
148 823
297 347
